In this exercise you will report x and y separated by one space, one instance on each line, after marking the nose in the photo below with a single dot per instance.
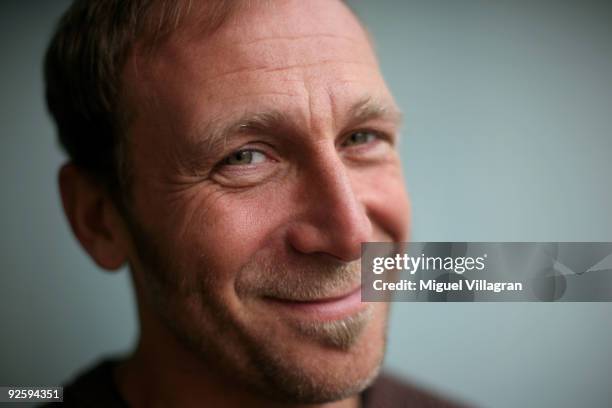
331 219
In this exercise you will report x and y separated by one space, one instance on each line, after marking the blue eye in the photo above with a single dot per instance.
359 138
244 157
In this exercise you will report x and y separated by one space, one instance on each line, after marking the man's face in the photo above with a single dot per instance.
263 156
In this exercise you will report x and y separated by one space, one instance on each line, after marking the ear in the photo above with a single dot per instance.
93 217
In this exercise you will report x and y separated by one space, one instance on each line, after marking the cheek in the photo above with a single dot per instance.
383 192
224 233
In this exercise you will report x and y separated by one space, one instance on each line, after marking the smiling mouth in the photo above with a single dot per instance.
323 308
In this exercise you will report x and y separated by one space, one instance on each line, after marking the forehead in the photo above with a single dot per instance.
300 55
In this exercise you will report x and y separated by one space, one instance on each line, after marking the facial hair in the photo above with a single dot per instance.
181 300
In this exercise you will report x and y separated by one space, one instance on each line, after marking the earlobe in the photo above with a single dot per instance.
93 217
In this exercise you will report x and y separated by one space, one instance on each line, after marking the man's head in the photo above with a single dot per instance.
260 141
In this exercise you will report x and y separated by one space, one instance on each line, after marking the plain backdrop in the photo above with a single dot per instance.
507 137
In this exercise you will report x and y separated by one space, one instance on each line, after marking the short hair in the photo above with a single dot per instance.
83 73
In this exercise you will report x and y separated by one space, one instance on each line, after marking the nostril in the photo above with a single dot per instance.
355 230
336 234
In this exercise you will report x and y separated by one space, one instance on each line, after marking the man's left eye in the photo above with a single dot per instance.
359 138
244 157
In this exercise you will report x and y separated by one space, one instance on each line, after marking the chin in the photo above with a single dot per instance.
298 369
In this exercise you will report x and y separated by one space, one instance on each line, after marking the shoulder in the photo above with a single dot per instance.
92 388
390 392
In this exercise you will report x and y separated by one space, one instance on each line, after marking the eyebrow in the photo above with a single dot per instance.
214 134
369 109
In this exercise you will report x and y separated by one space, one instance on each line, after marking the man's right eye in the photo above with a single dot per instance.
244 157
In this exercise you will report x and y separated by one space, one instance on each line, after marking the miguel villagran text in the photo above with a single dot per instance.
475 285
458 265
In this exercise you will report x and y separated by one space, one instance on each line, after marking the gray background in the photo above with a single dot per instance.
507 138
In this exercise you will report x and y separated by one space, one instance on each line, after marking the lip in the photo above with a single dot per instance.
331 308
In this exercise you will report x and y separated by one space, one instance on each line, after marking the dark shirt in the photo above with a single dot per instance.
96 388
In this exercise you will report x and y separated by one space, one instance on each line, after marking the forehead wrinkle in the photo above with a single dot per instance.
298 52
299 37
333 106
271 69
